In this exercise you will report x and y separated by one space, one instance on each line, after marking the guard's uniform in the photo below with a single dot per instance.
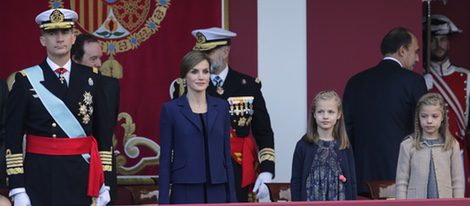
55 179
453 83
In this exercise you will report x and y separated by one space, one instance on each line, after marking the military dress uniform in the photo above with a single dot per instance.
54 179
52 167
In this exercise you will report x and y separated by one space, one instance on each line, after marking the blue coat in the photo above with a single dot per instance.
302 163
181 131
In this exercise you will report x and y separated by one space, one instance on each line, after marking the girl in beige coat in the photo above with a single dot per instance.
429 163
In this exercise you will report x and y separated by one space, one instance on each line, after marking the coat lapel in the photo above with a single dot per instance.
212 113
52 82
76 85
185 109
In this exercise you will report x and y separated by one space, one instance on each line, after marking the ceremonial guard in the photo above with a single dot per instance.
452 82
56 110
252 141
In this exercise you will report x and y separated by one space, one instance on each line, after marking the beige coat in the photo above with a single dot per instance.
413 171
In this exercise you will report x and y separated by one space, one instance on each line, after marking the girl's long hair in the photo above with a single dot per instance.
339 130
432 99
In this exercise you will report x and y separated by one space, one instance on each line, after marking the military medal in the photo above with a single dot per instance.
61 72
220 90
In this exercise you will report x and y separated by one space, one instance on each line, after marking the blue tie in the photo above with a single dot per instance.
218 81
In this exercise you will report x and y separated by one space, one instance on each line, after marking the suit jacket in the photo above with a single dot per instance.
379 105
182 156
413 171
302 163
257 123
55 180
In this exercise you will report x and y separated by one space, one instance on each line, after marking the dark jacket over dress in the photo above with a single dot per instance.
379 105
253 123
55 179
302 163
182 159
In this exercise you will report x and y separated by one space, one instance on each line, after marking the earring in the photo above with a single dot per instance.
184 82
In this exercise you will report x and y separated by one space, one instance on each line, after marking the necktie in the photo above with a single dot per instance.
61 72
218 85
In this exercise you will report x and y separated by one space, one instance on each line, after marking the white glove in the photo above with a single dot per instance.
428 80
260 188
21 199
103 198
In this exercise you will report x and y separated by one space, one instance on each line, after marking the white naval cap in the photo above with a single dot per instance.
211 38
442 25
56 19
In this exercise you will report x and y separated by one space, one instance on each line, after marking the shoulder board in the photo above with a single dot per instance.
257 80
180 81
23 73
95 70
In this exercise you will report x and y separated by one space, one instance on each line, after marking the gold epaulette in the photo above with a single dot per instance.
22 73
257 80
106 160
180 83
266 154
95 70
14 163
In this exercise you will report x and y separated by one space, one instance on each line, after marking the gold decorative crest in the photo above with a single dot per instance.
56 16
200 38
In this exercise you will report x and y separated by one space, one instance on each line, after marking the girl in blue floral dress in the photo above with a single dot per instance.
323 163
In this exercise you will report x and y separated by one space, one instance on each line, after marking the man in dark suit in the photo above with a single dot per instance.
87 51
58 105
249 116
379 105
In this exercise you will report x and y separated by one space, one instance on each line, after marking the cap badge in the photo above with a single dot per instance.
200 38
56 16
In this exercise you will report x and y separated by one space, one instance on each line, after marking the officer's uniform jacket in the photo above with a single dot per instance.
55 180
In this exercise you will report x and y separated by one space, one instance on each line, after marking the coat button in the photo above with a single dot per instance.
54 124
54 136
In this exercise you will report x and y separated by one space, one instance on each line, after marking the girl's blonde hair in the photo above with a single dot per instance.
339 130
432 99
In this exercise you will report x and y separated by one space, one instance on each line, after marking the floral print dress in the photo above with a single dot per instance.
323 182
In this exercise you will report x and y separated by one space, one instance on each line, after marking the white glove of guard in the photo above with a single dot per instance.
104 198
260 188
428 80
21 199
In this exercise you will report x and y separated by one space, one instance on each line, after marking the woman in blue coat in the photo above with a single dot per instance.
195 157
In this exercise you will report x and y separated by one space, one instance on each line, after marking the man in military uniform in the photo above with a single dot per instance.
249 116
451 81
58 106
87 51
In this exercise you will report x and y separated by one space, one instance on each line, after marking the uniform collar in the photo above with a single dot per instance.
67 66
54 66
444 70
222 75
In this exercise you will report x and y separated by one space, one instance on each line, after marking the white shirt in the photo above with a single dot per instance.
222 75
67 66
393 59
